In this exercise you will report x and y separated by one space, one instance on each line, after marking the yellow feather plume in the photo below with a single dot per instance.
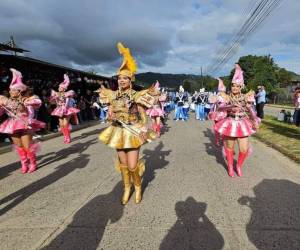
128 61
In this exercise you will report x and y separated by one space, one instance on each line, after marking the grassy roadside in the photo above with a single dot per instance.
282 136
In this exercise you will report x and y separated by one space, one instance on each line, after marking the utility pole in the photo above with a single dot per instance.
201 79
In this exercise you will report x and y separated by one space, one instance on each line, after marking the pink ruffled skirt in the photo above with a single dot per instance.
13 125
154 112
216 115
232 127
62 111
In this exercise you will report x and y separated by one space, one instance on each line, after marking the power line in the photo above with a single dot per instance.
260 11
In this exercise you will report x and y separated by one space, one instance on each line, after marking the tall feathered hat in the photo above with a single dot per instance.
221 86
65 83
16 82
181 89
128 67
238 77
156 85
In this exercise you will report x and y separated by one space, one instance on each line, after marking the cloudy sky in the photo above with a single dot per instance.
177 36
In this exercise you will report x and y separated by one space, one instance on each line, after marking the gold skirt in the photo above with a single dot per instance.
120 138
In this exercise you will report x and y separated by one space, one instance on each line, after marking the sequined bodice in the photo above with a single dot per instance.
124 107
61 99
239 105
16 107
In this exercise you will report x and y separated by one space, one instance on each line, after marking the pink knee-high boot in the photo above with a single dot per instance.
31 154
154 126
68 134
240 161
229 156
23 157
63 130
158 130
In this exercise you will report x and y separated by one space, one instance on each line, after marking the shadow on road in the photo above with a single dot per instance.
214 150
275 218
77 148
7 170
84 135
61 171
89 223
154 160
193 229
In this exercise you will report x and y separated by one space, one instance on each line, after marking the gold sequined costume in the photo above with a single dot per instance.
128 129
125 105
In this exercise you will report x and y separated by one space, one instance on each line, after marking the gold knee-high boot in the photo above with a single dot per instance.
126 182
137 180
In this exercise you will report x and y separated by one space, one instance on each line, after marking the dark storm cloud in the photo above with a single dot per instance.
166 36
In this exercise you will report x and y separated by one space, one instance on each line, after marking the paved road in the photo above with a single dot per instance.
274 111
189 202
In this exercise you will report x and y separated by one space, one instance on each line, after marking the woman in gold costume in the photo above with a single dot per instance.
128 130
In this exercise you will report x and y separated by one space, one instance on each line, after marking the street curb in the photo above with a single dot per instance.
280 149
279 106
8 148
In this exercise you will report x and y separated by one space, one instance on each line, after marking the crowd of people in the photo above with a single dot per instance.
234 115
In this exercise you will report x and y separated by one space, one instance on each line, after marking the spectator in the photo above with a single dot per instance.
82 115
43 113
296 99
261 101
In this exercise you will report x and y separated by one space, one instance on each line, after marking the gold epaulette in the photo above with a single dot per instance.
106 95
146 97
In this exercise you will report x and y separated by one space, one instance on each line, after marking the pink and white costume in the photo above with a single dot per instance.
21 120
240 121
63 109
20 115
156 112
61 99
215 113
157 109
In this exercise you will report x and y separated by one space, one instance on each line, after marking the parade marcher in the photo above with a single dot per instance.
240 123
128 130
193 104
180 99
64 111
21 124
218 102
156 112
201 101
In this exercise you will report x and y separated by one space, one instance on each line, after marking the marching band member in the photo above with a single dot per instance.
128 130
240 123
201 101
64 111
180 99
21 124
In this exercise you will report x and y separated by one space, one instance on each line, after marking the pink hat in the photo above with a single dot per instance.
238 77
221 86
16 82
65 83
156 85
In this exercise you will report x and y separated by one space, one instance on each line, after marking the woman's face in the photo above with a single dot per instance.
60 89
235 89
124 82
14 93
